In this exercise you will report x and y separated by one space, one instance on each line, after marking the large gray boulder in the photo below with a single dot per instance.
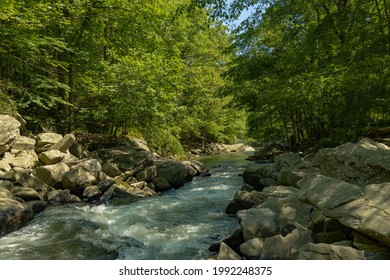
81 176
364 209
51 174
29 181
24 143
46 140
13 215
64 144
22 159
322 251
363 163
9 132
174 172
51 157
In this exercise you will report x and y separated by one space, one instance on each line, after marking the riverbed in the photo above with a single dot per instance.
179 224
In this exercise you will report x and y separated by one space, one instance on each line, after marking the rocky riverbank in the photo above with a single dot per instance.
49 168
334 204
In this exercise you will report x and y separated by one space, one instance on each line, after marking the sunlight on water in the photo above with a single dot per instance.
180 224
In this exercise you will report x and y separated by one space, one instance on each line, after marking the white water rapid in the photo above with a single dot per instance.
180 224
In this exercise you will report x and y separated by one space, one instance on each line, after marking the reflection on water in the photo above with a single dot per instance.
180 224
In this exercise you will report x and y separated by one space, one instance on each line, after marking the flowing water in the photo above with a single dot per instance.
180 224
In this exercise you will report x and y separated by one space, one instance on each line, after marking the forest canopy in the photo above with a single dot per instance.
175 73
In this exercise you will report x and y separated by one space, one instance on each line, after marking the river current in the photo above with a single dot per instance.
179 224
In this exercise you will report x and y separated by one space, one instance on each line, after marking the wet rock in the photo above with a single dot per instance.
62 196
175 173
92 193
147 174
161 184
13 215
37 206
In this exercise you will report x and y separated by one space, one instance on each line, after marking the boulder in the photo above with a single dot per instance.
298 238
29 181
174 172
37 206
245 200
161 184
258 222
51 157
226 253
9 132
252 248
92 193
322 251
255 175
5 193
22 159
13 215
276 248
51 174
62 196
288 160
64 144
24 143
365 162
77 179
25 193
46 140
139 189
147 174
111 169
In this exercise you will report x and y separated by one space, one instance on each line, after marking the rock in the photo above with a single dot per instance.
92 193
26 194
9 132
365 162
265 154
64 144
327 193
369 213
234 241
226 253
161 184
51 157
22 159
322 251
289 176
111 169
139 189
298 238
13 215
201 169
174 172
5 193
46 140
108 194
37 206
147 174
24 143
77 179
254 175
258 222
275 248
245 200
287 160
252 248
61 196
51 174
30 181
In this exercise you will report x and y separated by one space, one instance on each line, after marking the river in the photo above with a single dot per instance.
180 224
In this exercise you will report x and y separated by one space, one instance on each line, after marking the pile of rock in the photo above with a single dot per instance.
48 169
219 148
334 204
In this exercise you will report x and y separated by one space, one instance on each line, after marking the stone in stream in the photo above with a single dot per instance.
13 215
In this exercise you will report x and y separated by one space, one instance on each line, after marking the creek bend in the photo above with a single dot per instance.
179 224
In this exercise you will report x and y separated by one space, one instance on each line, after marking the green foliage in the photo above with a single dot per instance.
116 67
310 70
